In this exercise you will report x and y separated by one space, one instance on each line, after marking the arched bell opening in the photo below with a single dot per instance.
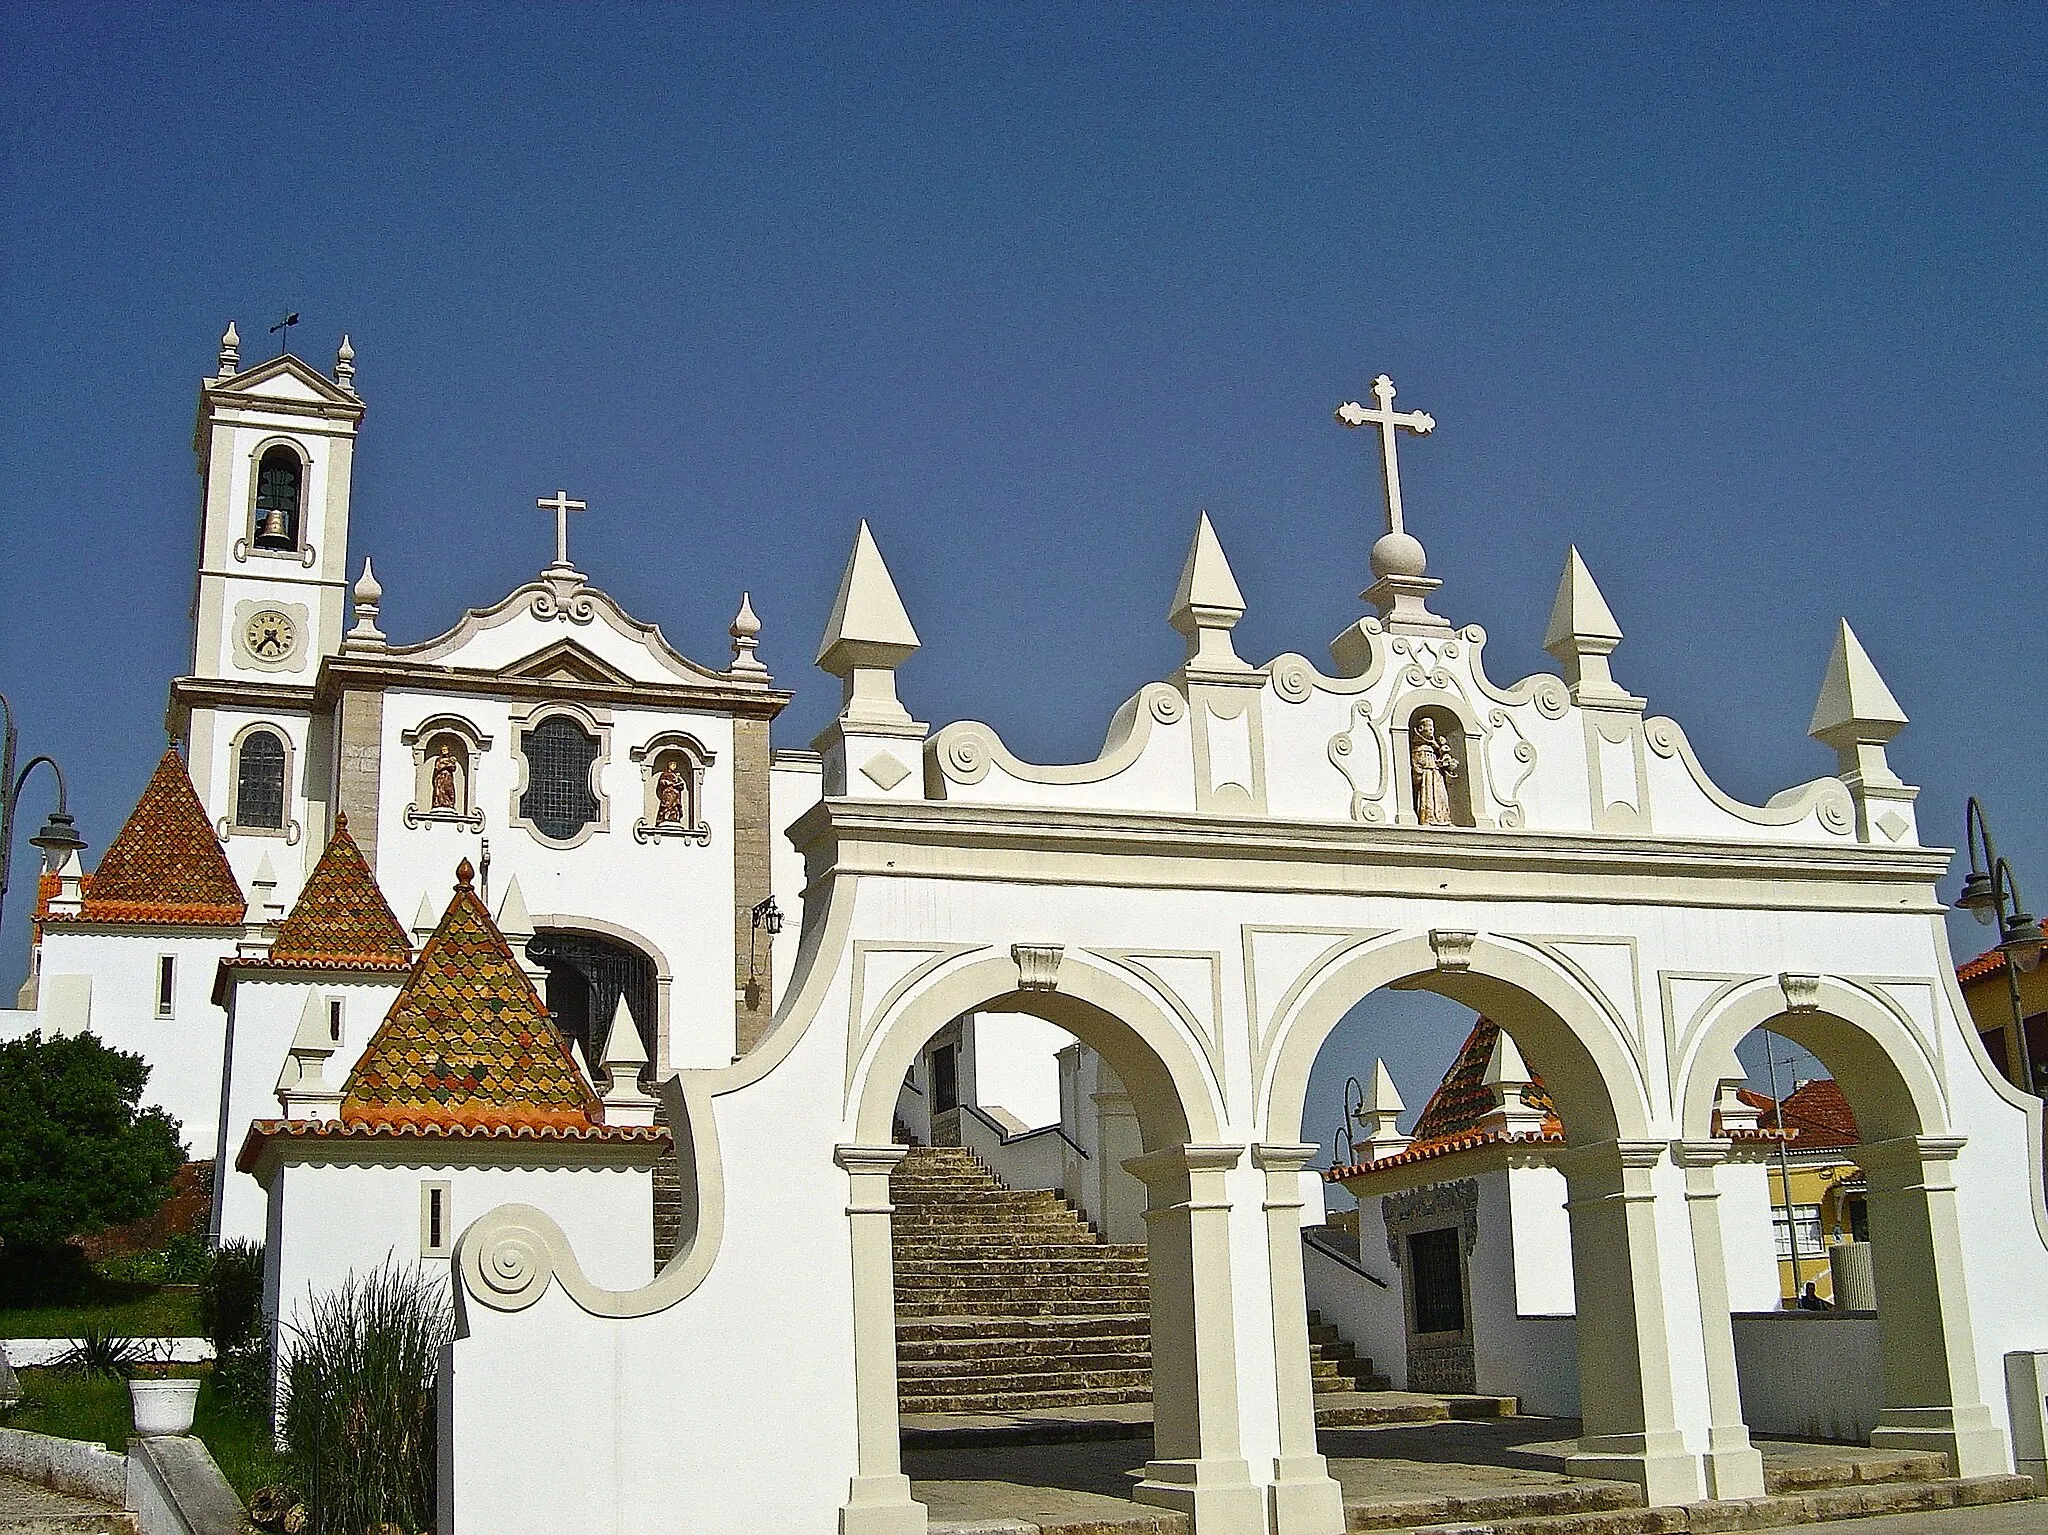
1863 1262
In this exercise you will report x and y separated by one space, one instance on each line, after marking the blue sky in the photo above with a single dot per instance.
1748 303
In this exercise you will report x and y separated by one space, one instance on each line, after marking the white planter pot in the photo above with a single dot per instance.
163 1406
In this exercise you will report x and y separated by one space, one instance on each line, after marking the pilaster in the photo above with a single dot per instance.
1734 1467
1305 1498
878 1500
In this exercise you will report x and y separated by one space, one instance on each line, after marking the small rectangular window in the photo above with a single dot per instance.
945 1079
1436 1269
1810 1244
334 1020
166 984
435 1237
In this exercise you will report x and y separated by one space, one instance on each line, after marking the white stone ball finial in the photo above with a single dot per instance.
1399 554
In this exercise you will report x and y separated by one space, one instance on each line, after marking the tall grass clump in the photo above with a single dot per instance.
358 1425
231 1296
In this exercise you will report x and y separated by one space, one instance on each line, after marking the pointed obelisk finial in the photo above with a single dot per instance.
1857 715
746 635
302 1086
867 637
345 365
625 1101
1207 603
1582 634
425 920
1509 1079
230 352
369 595
1380 1116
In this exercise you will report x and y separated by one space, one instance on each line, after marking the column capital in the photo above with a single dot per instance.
1706 1153
1276 1157
869 1160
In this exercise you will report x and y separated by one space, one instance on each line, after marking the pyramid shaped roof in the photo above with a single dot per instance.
1462 1099
167 865
468 1042
341 918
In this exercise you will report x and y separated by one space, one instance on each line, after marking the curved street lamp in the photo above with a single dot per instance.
1991 894
59 837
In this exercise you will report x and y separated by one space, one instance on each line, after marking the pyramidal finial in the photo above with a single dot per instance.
345 365
513 919
582 1066
1505 1067
1207 603
1383 1097
868 626
1380 1115
368 593
622 1043
426 919
1508 1078
230 351
746 633
1582 633
1853 697
625 1101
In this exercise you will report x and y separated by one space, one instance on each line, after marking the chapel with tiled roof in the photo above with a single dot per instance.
341 918
1463 1099
166 866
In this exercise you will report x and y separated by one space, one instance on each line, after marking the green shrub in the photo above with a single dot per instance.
95 1352
359 1401
231 1296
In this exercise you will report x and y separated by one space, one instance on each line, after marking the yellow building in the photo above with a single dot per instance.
1817 1190
1988 994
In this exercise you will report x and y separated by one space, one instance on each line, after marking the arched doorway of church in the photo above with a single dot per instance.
1837 1225
587 975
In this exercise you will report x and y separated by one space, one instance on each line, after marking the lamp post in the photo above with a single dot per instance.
1991 894
766 914
59 837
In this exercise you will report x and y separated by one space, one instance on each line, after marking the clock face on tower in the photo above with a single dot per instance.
269 635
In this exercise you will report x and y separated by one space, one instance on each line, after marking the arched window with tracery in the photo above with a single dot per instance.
260 781
280 484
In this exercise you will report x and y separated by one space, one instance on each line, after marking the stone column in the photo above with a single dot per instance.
878 1501
1734 1467
359 748
1628 1391
1306 1499
1199 1469
1933 1399
1119 1197
755 994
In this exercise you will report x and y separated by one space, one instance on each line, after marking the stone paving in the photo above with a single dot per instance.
24 1505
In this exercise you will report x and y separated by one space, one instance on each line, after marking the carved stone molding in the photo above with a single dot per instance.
1038 965
1453 948
1427 1209
1802 992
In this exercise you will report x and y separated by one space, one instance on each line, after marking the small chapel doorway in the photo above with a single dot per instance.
587 974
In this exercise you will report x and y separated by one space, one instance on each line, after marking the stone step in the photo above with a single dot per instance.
1014 1306
1080 1348
1564 1505
1022 1267
956 1326
1005 1402
1023 1383
1785 1475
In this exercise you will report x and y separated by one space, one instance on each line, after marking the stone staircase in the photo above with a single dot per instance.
1007 1300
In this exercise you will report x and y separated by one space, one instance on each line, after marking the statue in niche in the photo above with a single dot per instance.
670 789
446 765
1433 766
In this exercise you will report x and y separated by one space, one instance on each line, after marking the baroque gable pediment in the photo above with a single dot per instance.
283 379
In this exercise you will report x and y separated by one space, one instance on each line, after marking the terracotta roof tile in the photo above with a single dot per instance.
263 1130
341 918
1552 1134
468 1041
1990 962
166 866
1462 1099
1817 1114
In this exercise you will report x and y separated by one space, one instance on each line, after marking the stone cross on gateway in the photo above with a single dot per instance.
560 504
1388 420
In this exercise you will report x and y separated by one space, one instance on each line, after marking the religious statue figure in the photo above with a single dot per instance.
446 764
1433 766
669 789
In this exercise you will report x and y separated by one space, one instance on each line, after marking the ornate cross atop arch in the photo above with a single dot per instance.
1389 421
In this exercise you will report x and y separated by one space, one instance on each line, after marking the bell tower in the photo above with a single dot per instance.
275 442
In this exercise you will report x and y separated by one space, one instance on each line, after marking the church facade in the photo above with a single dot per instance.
1259 846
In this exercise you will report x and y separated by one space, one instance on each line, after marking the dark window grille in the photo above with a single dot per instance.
259 782
1437 1270
945 1079
277 491
558 802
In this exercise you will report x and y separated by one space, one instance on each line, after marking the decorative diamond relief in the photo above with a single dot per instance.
1892 824
885 771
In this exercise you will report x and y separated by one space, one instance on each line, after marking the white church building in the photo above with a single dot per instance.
653 1140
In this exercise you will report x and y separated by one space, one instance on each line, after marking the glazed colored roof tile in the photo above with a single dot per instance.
341 918
1816 1113
468 1041
1462 1099
166 866
1551 1134
261 1131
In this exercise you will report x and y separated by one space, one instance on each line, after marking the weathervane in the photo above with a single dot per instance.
285 325
560 504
